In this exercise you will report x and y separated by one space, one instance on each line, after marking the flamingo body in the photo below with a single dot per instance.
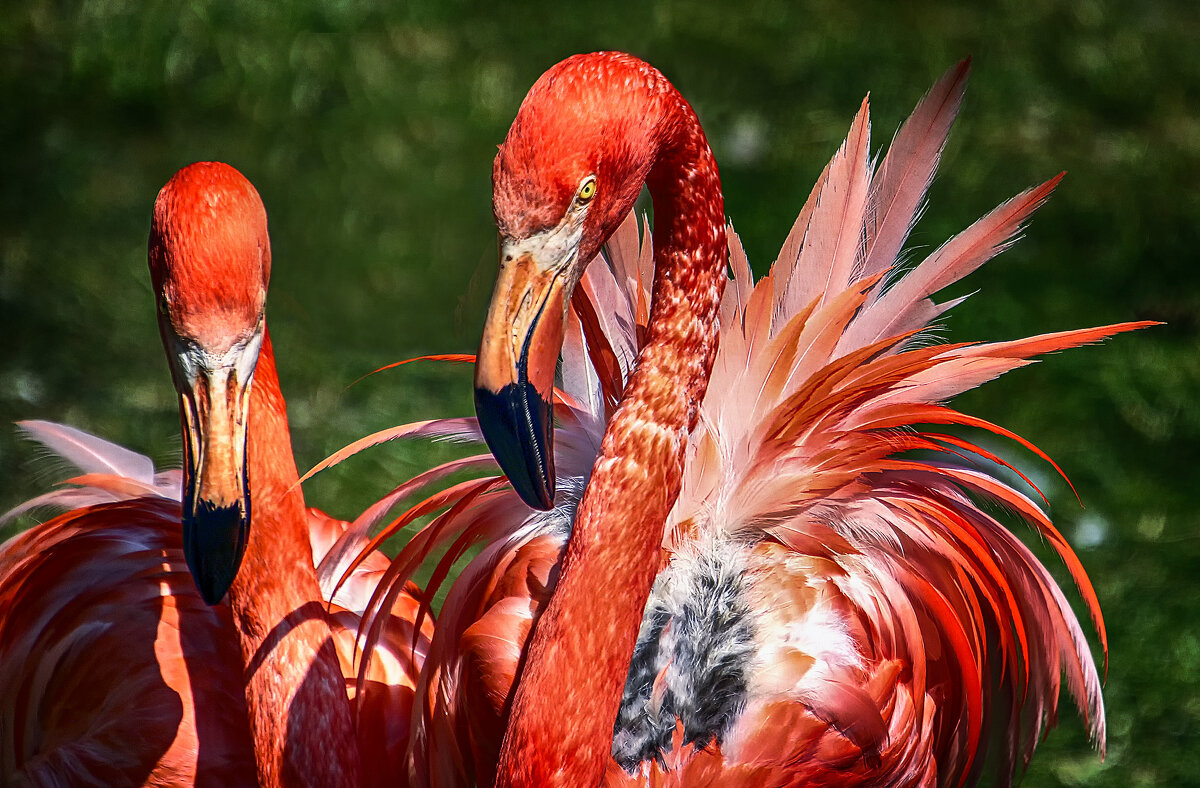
832 600
95 604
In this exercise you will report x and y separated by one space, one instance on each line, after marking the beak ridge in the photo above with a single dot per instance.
214 540
518 424
215 405
514 373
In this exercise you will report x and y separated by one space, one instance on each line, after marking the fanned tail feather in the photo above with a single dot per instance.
834 239
906 304
819 398
898 190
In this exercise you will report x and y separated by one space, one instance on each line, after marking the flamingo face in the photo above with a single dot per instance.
210 260
562 182
523 334
214 399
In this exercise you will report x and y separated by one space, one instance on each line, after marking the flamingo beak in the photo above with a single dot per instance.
514 371
214 403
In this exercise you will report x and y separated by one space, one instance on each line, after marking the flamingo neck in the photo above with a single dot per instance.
295 693
564 708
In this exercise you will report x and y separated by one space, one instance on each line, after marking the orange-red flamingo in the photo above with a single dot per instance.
795 578
119 673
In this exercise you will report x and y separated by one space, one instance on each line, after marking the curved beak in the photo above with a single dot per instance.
514 371
214 404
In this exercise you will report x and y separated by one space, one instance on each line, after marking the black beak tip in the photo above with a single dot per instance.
214 539
518 425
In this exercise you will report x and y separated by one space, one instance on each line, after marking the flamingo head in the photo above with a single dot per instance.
210 259
582 145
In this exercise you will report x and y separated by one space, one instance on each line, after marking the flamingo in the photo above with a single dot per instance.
129 671
765 562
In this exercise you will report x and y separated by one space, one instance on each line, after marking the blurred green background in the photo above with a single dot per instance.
369 129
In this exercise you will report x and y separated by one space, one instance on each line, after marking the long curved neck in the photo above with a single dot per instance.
299 713
561 724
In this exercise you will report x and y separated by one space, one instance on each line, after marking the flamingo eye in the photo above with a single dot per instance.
587 190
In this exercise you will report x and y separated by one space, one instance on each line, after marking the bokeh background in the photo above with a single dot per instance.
369 128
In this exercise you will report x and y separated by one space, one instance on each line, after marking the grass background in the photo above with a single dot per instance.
369 129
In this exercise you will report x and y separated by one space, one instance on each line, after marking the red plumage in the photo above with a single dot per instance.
101 631
127 677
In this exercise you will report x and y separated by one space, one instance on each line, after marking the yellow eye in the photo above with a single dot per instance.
588 190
